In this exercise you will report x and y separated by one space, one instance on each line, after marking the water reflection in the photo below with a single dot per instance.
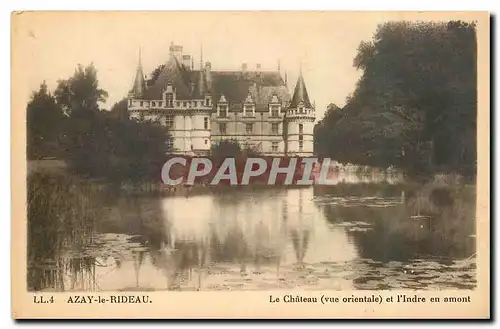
361 233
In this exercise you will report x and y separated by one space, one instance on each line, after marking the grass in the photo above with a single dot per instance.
61 213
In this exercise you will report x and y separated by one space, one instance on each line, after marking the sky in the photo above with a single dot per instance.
48 46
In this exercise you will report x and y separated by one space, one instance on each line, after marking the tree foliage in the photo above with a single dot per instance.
44 121
232 148
95 143
415 104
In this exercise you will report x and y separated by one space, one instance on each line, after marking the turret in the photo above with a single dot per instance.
300 117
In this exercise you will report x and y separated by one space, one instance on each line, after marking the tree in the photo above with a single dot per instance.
44 122
107 144
415 103
86 142
226 148
119 110
80 94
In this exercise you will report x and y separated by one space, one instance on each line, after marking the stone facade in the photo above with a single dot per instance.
202 107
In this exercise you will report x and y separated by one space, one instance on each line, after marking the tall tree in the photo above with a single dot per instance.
415 103
44 122
87 142
81 93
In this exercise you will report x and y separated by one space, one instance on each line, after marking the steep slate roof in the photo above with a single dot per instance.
235 85
300 94
175 73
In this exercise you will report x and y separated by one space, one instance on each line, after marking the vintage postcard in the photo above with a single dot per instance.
250 165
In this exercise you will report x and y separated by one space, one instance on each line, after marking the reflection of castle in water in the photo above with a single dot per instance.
278 228
271 238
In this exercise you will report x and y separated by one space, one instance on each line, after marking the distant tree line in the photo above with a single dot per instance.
415 105
96 143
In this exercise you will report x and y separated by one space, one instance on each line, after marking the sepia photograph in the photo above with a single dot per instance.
284 153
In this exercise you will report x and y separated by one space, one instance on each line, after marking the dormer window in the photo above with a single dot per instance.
301 108
169 96
274 106
222 107
169 99
249 106
223 111
208 101
274 111
248 111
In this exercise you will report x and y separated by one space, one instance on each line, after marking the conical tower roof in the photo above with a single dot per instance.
200 87
139 84
300 94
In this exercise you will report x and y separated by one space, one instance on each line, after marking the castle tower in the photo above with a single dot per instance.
200 117
299 119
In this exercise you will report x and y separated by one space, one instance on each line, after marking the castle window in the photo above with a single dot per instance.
222 128
184 104
206 141
301 145
301 128
274 147
275 128
249 128
142 103
170 100
205 123
170 143
154 104
274 111
169 122
301 138
160 104
248 110
223 111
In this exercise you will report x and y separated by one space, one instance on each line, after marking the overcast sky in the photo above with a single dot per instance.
325 43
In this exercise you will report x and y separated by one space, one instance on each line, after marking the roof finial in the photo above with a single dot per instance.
279 65
300 68
201 56
140 57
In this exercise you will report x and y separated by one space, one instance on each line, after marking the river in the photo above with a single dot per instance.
365 232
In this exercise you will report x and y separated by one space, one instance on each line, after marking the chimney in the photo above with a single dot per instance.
186 61
176 51
244 67
208 75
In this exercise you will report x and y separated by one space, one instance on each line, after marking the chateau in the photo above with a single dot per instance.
202 107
